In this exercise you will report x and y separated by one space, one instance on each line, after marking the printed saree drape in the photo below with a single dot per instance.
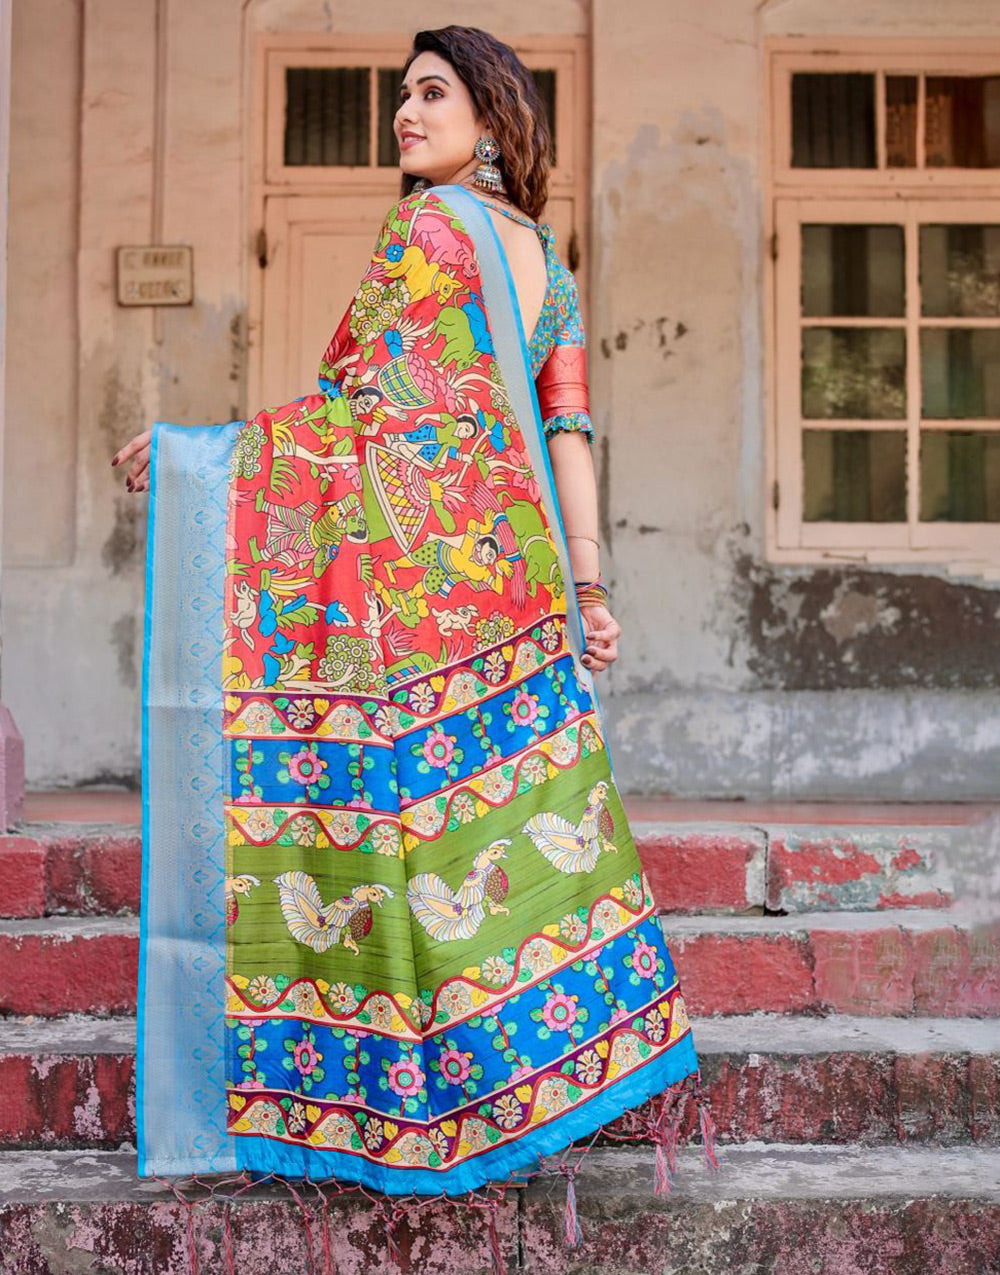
394 928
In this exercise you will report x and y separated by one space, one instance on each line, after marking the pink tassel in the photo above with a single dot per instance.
661 1176
707 1125
227 1239
574 1235
329 1267
192 1244
306 1220
392 1217
496 1256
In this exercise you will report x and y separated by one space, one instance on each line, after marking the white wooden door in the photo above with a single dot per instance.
318 247
319 222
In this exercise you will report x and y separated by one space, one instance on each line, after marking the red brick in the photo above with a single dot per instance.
691 872
60 974
858 872
22 876
933 1098
835 1236
89 875
738 973
957 971
67 1101
864 971
984 1097
837 1097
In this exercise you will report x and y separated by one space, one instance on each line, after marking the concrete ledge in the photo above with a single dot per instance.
787 1210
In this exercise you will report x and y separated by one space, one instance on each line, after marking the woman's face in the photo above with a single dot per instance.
436 125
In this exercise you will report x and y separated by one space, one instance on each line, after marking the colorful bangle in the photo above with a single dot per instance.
593 592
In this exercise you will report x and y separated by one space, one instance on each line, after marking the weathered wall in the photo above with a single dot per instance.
737 677
84 374
740 677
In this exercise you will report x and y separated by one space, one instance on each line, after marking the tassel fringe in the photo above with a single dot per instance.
663 1121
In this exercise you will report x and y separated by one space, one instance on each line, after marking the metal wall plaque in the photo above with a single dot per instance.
159 275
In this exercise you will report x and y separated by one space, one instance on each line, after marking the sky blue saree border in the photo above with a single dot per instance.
140 1028
180 1039
267 1155
512 352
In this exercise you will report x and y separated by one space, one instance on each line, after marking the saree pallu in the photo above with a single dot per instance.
394 928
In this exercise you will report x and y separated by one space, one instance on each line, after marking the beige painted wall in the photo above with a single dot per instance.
85 374
676 364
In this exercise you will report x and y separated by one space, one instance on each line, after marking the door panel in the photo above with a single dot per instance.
318 247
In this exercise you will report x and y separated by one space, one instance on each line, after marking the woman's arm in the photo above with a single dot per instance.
576 489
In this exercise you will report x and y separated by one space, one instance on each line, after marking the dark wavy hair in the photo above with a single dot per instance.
505 97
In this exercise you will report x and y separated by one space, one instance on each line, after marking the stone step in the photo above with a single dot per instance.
732 866
906 961
69 1082
787 1209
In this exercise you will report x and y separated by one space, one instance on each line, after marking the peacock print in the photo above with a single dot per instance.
319 926
457 914
575 847
237 885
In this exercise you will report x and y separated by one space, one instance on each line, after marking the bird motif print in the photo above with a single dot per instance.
570 847
234 886
321 926
448 914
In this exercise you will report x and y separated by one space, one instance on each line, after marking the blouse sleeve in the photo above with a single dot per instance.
562 381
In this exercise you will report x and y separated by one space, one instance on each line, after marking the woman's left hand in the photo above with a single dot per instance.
602 632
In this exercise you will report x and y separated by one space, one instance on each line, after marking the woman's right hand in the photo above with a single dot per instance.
137 450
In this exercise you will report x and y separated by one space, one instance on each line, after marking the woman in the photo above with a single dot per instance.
381 820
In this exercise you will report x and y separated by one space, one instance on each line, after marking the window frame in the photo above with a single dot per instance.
897 196
278 53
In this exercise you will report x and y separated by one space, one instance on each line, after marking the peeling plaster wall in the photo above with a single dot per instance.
737 677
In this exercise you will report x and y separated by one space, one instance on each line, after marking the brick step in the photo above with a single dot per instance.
728 866
69 965
898 962
69 1082
907 961
50 869
78 869
734 868
788 1209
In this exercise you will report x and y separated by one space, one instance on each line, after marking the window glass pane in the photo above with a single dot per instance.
545 82
963 121
389 80
901 121
960 270
854 475
960 369
833 121
854 372
328 115
959 476
852 270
